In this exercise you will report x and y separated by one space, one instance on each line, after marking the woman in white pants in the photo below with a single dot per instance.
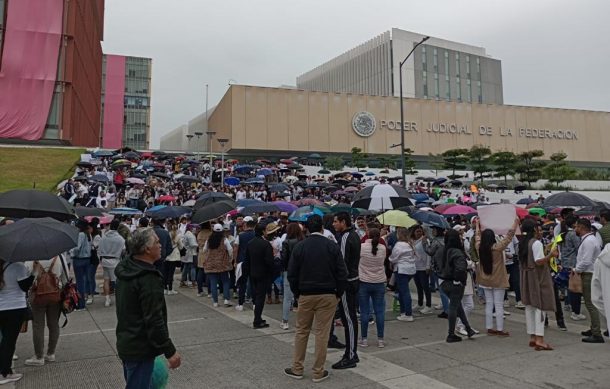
536 283
492 276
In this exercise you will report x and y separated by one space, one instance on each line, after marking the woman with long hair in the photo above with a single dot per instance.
294 234
536 282
492 275
454 275
403 261
218 254
81 261
422 265
202 238
172 260
372 277
96 237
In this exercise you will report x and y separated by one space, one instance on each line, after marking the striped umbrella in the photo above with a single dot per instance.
382 197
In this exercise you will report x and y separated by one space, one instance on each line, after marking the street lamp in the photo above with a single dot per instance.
189 137
402 115
222 142
211 135
198 134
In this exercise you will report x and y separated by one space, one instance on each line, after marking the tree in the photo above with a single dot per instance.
436 161
504 164
455 159
333 163
558 170
529 167
409 162
480 160
357 158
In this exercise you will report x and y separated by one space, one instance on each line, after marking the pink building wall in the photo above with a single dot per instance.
114 102
29 66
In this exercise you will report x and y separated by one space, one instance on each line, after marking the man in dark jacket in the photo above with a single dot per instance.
349 244
239 257
141 331
318 277
259 257
166 243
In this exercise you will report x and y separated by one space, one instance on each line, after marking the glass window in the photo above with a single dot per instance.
3 8
435 58
446 63
436 86
424 60
448 88
478 68
479 91
468 66
458 89
425 82
469 90
457 64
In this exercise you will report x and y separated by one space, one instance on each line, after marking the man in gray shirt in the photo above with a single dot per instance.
110 251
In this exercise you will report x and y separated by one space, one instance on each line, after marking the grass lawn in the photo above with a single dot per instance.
40 168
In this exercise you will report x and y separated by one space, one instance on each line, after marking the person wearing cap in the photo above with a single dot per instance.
217 258
259 256
239 257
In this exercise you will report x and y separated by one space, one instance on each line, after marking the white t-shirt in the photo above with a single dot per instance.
11 296
538 250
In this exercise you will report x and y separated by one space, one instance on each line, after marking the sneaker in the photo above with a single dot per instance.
34 361
79 309
228 304
506 304
107 302
605 334
284 325
511 294
593 339
380 343
336 344
442 315
171 292
476 332
239 308
288 371
89 300
578 317
567 308
363 343
15 357
453 338
371 321
49 357
438 306
562 326
325 375
426 311
345 363
462 331
215 305
404 317
417 307
520 305
586 333
502 333
10 378
200 294
260 325
165 292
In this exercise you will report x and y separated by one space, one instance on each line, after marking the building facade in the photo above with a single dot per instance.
438 69
285 122
193 136
51 70
126 105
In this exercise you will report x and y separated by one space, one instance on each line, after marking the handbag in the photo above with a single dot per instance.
575 283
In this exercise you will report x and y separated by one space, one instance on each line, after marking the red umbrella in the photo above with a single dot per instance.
556 211
146 154
532 205
521 212
442 208
459 210
167 198
286 161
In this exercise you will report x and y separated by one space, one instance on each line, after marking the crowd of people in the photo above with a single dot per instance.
326 269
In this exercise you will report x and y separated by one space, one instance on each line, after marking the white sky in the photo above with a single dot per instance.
554 53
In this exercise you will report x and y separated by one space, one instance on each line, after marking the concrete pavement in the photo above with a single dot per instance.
220 350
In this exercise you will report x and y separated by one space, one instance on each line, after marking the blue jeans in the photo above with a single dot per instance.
91 279
81 273
404 294
288 297
376 292
444 300
213 279
138 374
187 272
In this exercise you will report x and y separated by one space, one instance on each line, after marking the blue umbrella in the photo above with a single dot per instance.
265 172
169 212
125 211
255 180
431 218
103 153
420 197
369 174
232 181
156 208
247 202
526 201
301 214
440 180
243 168
357 175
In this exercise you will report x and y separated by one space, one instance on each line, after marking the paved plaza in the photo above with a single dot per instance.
220 350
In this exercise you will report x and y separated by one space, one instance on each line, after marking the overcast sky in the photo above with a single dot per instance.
554 53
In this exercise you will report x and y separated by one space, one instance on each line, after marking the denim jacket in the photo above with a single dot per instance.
83 249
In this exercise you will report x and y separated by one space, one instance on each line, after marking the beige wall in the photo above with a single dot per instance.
275 119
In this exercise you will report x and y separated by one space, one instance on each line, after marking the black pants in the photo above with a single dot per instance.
259 285
455 294
514 280
242 285
169 268
10 324
422 283
558 307
349 319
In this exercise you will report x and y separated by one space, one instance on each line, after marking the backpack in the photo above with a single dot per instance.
45 290
69 294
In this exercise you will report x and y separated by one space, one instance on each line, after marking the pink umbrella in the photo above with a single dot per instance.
106 219
167 198
459 210
135 180
351 189
442 208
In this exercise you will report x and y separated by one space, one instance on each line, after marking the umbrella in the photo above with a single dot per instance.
212 211
568 199
303 213
521 212
161 175
357 175
533 205
188 203
87 211
369 174
323 171
340 181
420 197
307 201
255 180
81 178
99 178
286 161
526 201
537 211
105 219
264 172
279 188
440 180
36 239
169 212
430 179
382 196
232 181
136 181
396 218
103 153
156 208
314 156
459 210
520 188
247 202
243 168
285 206
456 183
167 198
188 179
131 155
84 164
213 197
260 208
351 189
23 203
492 186
430 218
125 211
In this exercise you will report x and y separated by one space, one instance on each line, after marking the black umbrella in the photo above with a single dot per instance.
340 181
429 179
188 179
213 197
260 208
278 188
212 211
161 175
431 218
36 239
81 178
456 183
22 203
88 211
84 164
382 197
99 178
131 155
568 199
169 212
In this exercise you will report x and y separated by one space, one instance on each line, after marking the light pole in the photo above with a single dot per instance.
198 134
211 135
222 142
189 137
402 115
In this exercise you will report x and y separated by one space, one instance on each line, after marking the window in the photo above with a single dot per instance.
424 60
480 91
446 63
436 87
458 88
468 66
425 82
457 64
478 68
448 88
3 12
469 90
435 54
